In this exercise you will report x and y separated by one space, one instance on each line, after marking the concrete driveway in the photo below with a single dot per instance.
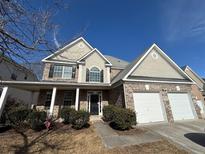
189 134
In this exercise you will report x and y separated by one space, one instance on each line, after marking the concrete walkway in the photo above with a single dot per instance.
187 134
111 139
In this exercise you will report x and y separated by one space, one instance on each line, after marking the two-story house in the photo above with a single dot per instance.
88 73
80 76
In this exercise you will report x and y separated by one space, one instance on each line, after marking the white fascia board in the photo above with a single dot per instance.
89 53
156 81
163 54
187 67
68 45
201 88
59 62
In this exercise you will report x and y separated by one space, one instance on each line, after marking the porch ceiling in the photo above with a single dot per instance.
36 86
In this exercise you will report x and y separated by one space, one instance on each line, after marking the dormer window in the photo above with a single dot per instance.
94 75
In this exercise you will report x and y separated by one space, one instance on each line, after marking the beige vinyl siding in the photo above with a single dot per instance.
94 60
73 53
156 67
114 73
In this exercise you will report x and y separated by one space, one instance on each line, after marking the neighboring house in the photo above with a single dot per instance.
198 88
10 70
80 76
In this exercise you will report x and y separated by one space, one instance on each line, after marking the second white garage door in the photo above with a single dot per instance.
181 106
148 107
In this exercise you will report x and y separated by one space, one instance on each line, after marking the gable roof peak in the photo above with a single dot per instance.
130 68
95 50
59 50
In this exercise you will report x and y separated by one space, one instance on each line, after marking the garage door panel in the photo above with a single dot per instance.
148 107
181 106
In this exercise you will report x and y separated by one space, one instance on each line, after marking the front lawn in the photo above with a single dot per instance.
67 140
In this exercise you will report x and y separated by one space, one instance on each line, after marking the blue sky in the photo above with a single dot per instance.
125 28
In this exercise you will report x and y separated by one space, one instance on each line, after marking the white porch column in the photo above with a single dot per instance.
3 98
77 98
108 74
80 70
52 100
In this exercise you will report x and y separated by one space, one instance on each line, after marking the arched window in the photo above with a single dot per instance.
94 75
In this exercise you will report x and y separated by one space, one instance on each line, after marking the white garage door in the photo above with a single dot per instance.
148 107
181 106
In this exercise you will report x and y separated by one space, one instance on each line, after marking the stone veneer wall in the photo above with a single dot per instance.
46 73
163 89
117 96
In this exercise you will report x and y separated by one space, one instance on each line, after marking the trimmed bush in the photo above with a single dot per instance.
36 120
66 114
79 119
108 112
119 118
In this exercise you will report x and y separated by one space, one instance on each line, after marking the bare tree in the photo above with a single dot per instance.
26 29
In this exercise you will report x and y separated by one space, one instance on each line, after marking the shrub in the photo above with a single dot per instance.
108 112
119 118
15 113
79 119
123 119
18 118
66 114
36 120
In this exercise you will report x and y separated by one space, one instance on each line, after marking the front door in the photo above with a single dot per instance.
94 104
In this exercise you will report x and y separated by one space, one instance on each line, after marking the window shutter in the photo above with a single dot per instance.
73 72
87 75
102 77
51 71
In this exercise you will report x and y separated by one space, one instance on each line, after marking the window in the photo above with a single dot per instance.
67 72
94 75
48 99
61 71
58 70
68 98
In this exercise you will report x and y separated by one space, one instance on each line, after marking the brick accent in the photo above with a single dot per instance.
162 88
46 73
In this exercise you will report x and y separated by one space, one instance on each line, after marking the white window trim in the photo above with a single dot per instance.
63 68
64 72
99 76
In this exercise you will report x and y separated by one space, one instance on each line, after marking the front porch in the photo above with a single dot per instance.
53 100
52 97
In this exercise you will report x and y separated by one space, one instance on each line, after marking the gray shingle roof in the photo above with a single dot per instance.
116 62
